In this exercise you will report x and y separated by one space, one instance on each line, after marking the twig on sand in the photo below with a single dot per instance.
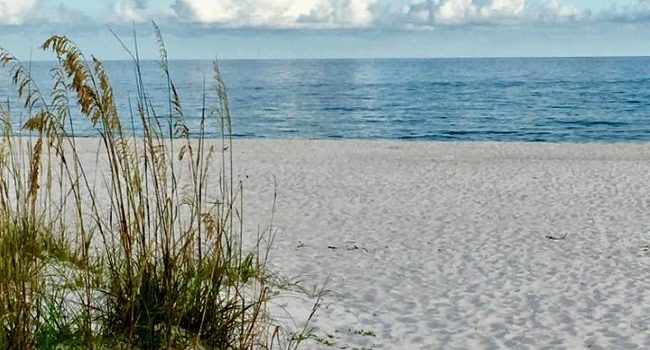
557 238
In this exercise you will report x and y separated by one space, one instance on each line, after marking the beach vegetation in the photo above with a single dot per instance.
134 250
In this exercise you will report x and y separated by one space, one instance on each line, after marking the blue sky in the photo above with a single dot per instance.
336 28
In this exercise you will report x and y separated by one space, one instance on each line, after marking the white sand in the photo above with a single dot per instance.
452 240
444 245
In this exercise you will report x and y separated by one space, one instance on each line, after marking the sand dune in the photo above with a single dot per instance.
461 245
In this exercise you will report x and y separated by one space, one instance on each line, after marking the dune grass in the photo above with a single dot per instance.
138 252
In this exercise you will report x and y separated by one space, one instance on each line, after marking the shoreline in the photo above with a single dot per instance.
470 150
388 140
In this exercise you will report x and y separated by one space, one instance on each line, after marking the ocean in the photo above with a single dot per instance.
492 99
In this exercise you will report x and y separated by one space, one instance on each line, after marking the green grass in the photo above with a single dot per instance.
144 255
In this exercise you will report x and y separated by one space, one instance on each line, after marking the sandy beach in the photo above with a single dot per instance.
448 174
456 245
460 245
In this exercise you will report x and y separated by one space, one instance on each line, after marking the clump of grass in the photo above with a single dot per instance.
140 254
27 244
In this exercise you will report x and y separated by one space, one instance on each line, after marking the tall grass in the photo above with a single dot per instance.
136 250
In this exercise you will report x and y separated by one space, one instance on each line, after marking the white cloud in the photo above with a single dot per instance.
368 13
128 11
36 12
218 11
323 14
16 12
458 12
278 13
463 11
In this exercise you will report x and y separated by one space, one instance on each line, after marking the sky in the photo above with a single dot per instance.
258 29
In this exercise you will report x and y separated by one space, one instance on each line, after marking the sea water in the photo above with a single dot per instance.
495 99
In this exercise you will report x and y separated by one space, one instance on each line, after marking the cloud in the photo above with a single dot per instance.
130 10
637 12
325 14
277 13
454 12
35 13
462 12
554 11
14 12
370 13
136 11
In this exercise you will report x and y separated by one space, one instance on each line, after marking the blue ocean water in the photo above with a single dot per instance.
524 99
